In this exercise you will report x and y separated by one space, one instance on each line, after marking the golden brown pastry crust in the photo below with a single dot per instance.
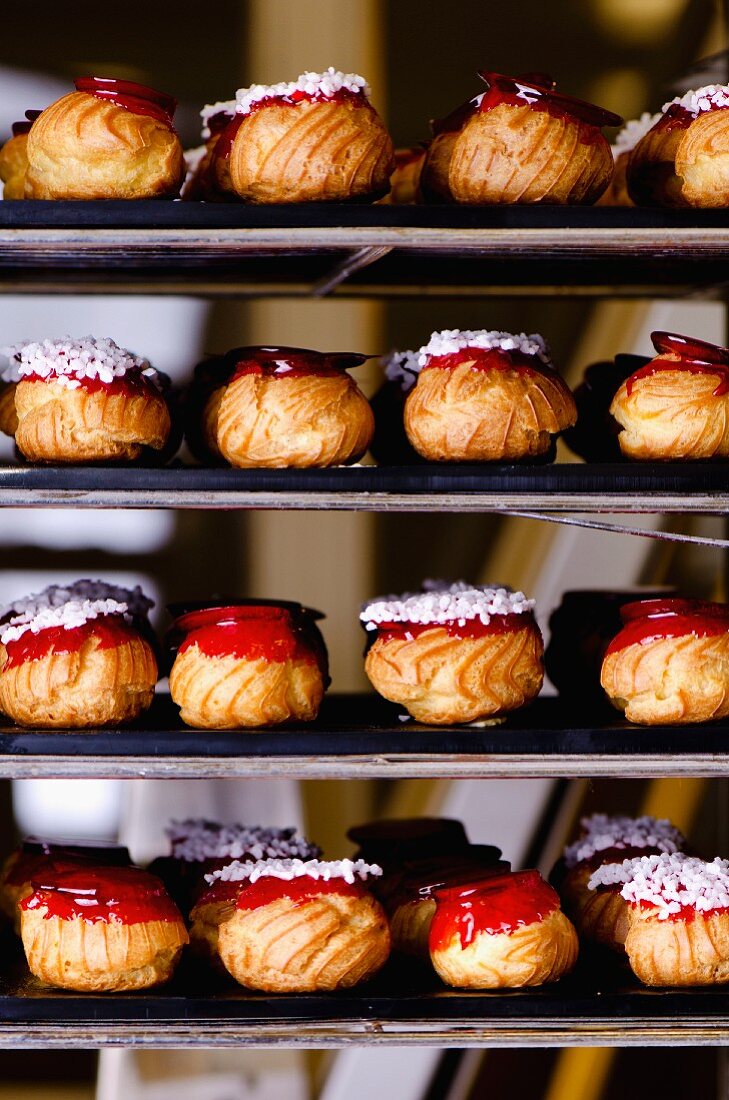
89 688
670 680
205 920
13 166
683 167
673 414
434 183
617 193
211 180
679 952
8 415
410 927
236 693
530 955
332 941
100 956
518 155
464 415
83 147
313 152
601 916
57 424
405 178
318 420
441 679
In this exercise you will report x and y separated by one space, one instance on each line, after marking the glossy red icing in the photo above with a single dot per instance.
695 357
294 363
299 890
471 628
248 632
108 630
131 384
492 906
344 95
651 620
137 98
520 92
687 913
33 856
123 894
486 359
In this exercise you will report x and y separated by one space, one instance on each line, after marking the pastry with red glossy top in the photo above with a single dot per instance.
315 139
454 653
248 665
679 926
676 406
76 658
603 916
501 932
301 927
633 131
282 407
87 400
14 158
670 662
683 160
484 396
110 139
208 167
101 930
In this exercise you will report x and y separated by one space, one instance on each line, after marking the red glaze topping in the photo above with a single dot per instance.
675 118
299 890
122 894
687 913
249 632
131 384
36 855
615 855
471 628
294 362
225 142
695 357
652 620
137 98
456 119
344 95
108 630
486 359
493 905
520 92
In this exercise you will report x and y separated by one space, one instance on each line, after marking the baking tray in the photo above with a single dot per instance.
358 736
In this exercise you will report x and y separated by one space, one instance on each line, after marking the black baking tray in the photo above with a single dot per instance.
357 725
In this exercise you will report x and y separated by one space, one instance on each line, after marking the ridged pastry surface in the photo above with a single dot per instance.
237 693
410 927
530 955
434 176
313 152
8 415
670 680
702 161
87 688
332 941
57 424
205 921
83 147
520 155
441 679
617 193
101 956
601 916
295 422
466 415
673 414
13 166
651 173
679 952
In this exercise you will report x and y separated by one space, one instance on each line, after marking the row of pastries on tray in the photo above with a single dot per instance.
85 656
261 904
318 139
472 395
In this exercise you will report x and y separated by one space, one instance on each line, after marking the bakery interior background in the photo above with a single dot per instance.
421 60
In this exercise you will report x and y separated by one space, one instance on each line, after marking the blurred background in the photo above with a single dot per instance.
421 60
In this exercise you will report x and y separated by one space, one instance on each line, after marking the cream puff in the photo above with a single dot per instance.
14 158
676 406
520 142
669 665
633 131
248 665
405 178
110 139
282 407
501 932
454 653
484 396
208 166
683 160
678 933
76 658
101 930
302 927
87 400
315 139
9 378
603 917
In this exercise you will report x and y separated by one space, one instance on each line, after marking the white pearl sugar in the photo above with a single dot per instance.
196 839
325 84
604 831
348 869
703 99
670 882
69 615
69 361
440 602
451 340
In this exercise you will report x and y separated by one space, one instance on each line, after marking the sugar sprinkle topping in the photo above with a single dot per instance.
348 869
56 595
635 129
451 340
402 368
210 110
670 882
323 85
604 831
441 602
708 98
196 839
69 616
69 361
